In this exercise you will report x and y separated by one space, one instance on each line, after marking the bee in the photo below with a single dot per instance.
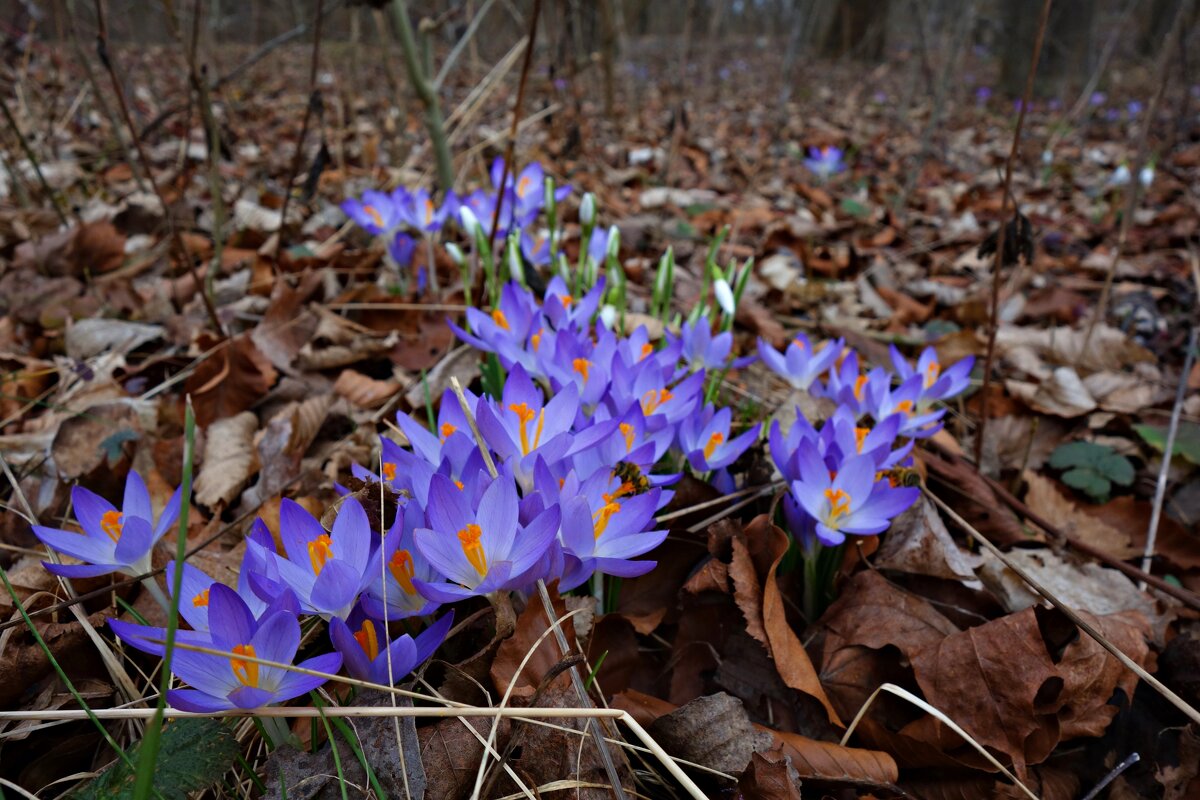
631 476
903 476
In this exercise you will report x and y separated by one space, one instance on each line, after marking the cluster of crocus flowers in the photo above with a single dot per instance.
825 162
842 476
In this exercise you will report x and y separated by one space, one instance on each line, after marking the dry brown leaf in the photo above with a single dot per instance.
918 542
230 380
1063 394
747 592
229 459
531 624
1044 498
766 779
791 659
1109 348
364 391
287 326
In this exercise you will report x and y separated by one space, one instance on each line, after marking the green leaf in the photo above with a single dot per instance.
1092 468
1187 439
193 755
855 208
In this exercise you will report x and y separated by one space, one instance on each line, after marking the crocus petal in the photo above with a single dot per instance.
297 528
137 499
334 590
295 684
252 697
353 656
90 509
197 701
93 549
169 515
231 622
137 537
351 539
79 570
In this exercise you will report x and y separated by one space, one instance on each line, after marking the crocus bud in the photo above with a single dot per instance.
614 242
608 315
455 252
1146 176
587 210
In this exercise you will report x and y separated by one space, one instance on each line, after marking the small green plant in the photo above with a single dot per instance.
1092 468
1187 439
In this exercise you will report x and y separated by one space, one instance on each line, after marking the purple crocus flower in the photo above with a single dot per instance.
417 209
903 403
1097 98
393 594
604 527
481 548
112 540
1134 108
368 656
701 350
825 162
509 330
705 439
325 570
597 248
376 212
936 384
228 681
982 95
401 248
523 424
850 502
801 364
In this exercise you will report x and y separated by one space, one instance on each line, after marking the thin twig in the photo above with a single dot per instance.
314 104
1133 190
1160 487
1004 203
33 161
176 240
516 119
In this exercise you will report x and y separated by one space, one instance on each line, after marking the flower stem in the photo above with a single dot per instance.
152 587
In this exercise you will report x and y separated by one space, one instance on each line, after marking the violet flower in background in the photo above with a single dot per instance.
825 162
376 212
936 384
706 439
112 540
800 365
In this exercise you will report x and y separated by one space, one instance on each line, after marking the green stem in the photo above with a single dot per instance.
426 93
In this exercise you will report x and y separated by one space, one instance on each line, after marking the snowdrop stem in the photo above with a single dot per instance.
276 730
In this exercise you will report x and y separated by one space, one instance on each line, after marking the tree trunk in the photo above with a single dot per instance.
1066 52
858 29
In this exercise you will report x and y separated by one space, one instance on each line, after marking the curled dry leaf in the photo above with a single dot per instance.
791 659
918 542
229 459
714 731
1109 348
1063 394
1043 497
531 624
233 377
287 326
769 777
999 680
364 391
91 337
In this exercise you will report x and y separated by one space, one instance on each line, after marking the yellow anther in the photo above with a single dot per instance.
839 505
501 320
627 432
389 471
320 550
469 538
536 339
582 365
859 383
931 373
860 436
713 441
600 518
110 523
367 639
447 429
652 399
647 349
402 568
201 599
246 672
525 416
374 215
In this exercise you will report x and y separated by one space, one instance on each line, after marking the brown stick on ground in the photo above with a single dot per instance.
999 262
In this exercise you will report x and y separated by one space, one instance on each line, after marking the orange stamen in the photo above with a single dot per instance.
860 436
859 383
713 441
652 399
367 639
567 300
246 672
601 517
931 373
536 339
501 320
402 569
447 429
522 186
839 505
906 406
582 365
319 551
389 471
627 432
469 537
201 599
525 415
374 215
647 349
110 523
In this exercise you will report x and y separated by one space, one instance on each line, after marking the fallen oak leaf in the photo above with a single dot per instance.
229 459
791 659
232 379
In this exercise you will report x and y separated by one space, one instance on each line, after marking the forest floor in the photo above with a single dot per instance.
105 333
